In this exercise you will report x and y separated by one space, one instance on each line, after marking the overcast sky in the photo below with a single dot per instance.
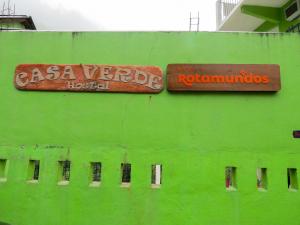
117 15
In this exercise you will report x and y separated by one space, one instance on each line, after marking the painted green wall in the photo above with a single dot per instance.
193 135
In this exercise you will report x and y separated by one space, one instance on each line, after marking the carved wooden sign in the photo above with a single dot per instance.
223 77
92 78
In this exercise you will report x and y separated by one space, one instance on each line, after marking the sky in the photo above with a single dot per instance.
118 15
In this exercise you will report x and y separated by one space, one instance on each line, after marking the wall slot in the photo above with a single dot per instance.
292 179
64 172
126 174
3 170
230 178
156 170
33 171
95 174
261 178
296 133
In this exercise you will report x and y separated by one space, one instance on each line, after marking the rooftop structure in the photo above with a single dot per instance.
10 21
258 15
16 22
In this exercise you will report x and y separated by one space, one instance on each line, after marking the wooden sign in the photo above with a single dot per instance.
223 77
96 78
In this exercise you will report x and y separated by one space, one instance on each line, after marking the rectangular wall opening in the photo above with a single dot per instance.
156 170
33 171
95 174
261 178
64 172
3 170
292 179
126 174
230 178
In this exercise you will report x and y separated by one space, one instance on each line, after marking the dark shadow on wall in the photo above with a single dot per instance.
2 223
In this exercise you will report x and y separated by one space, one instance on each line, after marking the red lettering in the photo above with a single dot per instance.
265 79
184 79
257 79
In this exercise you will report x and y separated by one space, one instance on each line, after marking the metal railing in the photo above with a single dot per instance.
224 8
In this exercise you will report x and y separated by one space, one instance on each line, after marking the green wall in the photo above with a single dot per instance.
193 135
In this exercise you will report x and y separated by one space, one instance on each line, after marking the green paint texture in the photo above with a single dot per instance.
269 14
193 135
266 26
273 17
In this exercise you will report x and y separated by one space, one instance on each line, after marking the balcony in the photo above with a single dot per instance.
231 18
224 9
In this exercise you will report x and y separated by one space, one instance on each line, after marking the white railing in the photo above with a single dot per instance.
224 8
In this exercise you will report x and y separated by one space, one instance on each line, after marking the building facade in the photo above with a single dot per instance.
77 158
258 15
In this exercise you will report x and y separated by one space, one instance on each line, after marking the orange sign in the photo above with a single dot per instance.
98 78
221 77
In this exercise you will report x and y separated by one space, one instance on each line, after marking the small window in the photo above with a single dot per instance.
95 174
64 172
156 175
291 10
292 179
33 171
126 174
230 178
261 175
3 170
